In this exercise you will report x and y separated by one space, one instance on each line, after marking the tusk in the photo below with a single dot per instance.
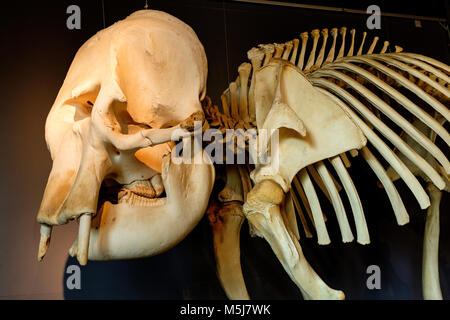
83 238
74 248
46 233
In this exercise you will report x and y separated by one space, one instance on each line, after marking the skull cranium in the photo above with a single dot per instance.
127 90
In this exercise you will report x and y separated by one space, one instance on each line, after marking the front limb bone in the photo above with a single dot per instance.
226 218
430 264
262 209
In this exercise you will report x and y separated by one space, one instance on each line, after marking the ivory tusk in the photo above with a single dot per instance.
46 233
84 231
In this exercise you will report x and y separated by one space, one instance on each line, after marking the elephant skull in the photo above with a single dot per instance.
110 132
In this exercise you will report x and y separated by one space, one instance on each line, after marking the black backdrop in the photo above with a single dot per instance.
37 50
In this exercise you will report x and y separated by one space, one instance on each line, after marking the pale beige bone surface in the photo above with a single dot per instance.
115 122
329 131
226 218
263 211
129 89
277 94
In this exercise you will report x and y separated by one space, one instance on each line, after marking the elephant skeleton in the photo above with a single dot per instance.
134 85
280 78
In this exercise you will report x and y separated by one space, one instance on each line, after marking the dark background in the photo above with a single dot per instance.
36 52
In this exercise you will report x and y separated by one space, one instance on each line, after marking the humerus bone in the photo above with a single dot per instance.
263 211
226 223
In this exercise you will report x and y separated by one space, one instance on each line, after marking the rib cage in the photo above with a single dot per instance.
394 78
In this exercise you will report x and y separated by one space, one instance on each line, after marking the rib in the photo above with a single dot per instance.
402 100
322 233
387 132
403 171
308 233
346 232
435 104
397 204
362 234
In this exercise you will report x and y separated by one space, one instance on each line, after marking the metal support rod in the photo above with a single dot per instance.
336 9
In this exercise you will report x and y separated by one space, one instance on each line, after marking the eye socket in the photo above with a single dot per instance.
120 118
